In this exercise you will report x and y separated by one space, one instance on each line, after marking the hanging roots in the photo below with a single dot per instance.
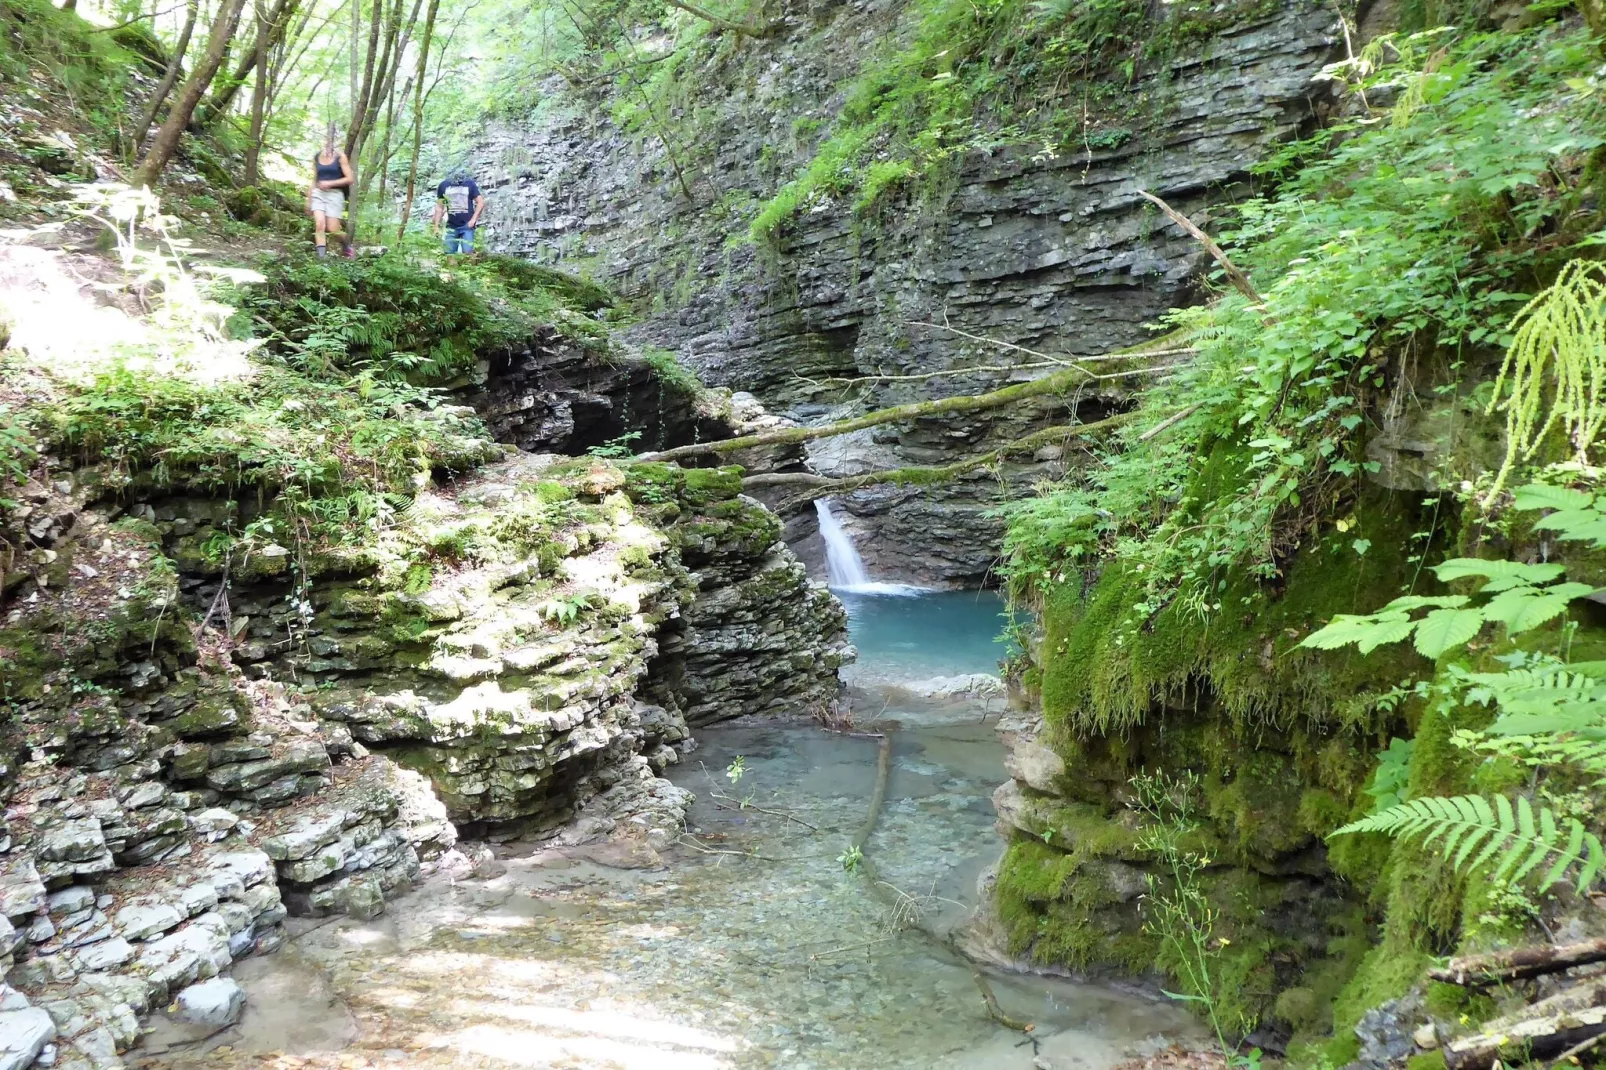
1559 340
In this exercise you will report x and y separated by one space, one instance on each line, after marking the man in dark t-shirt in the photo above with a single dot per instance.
460 201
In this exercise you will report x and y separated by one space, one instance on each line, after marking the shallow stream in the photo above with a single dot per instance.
749 947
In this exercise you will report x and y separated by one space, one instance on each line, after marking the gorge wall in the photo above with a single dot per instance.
199 745
1050 248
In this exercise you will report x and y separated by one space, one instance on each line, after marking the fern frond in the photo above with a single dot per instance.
1517 838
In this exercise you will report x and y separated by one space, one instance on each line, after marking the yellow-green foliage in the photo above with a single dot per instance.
1555 368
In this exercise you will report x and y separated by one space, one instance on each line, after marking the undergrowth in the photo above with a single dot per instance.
392 316
1406 243
960 76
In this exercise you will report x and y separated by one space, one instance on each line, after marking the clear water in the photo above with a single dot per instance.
936 633
749 946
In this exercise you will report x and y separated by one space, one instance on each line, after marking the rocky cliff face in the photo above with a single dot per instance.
198 745
1054 252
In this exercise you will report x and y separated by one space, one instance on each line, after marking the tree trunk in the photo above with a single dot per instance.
223 99
169 77
1477 971
1054 383
165 144
259 96
401 36
418 117
824 487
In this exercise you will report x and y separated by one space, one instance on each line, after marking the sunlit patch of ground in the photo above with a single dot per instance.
79 302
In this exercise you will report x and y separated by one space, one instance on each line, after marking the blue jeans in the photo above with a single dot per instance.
459 240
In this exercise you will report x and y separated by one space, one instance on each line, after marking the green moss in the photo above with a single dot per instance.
1108 656
1034 872
1387 972
707 485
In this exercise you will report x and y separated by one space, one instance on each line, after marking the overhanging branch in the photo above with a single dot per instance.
815 486
1054 383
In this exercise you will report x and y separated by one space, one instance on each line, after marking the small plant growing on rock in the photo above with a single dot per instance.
851 859
1177 909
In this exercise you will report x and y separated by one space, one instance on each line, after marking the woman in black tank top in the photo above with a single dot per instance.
326 197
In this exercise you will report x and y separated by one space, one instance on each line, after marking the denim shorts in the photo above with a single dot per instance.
459 240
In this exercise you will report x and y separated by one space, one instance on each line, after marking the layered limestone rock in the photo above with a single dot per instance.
198 758
550 395
1055 251
1081 857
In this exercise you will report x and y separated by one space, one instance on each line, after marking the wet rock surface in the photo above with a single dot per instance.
763 953
184 790
1056 252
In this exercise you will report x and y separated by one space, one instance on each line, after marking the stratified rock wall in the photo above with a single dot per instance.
519 654
1055 252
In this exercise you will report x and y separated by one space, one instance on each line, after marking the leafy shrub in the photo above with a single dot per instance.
1401 237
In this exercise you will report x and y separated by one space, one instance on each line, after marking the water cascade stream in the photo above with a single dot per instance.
743 946
843 565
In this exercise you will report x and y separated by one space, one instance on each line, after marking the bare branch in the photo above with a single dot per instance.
1239 280
1174 418
768 29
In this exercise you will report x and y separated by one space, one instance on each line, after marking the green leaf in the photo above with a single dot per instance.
1524 609
1418 601
1563 519
1461 567
1445 629
1541 496
1385 631
1342 630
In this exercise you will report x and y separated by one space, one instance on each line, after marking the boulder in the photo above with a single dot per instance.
217 1003
23 1035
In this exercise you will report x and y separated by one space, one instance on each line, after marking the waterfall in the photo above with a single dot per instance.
844 568
843 565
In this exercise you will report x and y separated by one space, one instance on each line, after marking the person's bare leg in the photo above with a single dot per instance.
320 225
337 230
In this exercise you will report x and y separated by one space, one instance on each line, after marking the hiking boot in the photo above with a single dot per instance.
351 251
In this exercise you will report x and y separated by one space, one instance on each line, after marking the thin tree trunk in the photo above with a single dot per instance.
401 37
418 117
815 486
223 99
165 144
354 132
1054 383
386 153
259 96
169 77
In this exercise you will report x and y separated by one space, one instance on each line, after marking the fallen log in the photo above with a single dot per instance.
1480 971
825 487
1532 1038
1059 382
